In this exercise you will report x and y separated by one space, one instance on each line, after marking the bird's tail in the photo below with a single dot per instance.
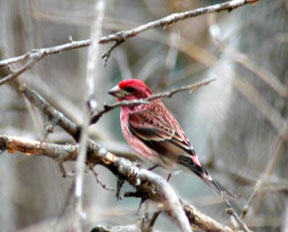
200 171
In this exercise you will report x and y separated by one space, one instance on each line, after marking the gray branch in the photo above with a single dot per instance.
119 37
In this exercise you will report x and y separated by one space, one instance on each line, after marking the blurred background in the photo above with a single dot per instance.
237 124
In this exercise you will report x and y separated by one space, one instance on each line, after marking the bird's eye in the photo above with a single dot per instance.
129 89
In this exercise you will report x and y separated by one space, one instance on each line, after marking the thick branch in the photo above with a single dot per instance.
146 183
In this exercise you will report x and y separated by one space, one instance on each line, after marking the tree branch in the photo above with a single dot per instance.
37 54
119 37
107 108
94 150
89 103
146 183
173 18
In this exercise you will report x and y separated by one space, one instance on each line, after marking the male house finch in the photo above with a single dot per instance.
155 135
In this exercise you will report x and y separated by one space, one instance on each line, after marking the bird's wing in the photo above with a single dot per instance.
164 135
159 133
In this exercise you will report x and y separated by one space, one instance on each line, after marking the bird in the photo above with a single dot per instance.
155 135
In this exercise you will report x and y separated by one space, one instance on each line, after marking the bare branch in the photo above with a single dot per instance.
122 36
37 54
104 186
173 18
249 202
190 88
19 71
107 54
29 146
202 220
148 184
119 37
145 182
42 52
58 117
89 104
240 224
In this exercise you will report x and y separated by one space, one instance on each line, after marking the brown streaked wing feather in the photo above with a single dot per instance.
157 133
147 126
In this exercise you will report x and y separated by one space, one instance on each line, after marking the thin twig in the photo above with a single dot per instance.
107 54
192 88
36 53
168 94
121 36
104 186
232 212
21 70
88 106
173 18
248 203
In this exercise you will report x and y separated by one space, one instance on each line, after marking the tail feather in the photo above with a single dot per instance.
218 188
200 171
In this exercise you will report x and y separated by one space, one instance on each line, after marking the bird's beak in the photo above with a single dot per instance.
117 92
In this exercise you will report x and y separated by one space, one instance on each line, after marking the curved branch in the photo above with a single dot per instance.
146 183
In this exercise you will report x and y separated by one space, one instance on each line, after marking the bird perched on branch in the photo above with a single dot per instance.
155 135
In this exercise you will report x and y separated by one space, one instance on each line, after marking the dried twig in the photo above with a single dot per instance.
190 88
121 36
104 186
